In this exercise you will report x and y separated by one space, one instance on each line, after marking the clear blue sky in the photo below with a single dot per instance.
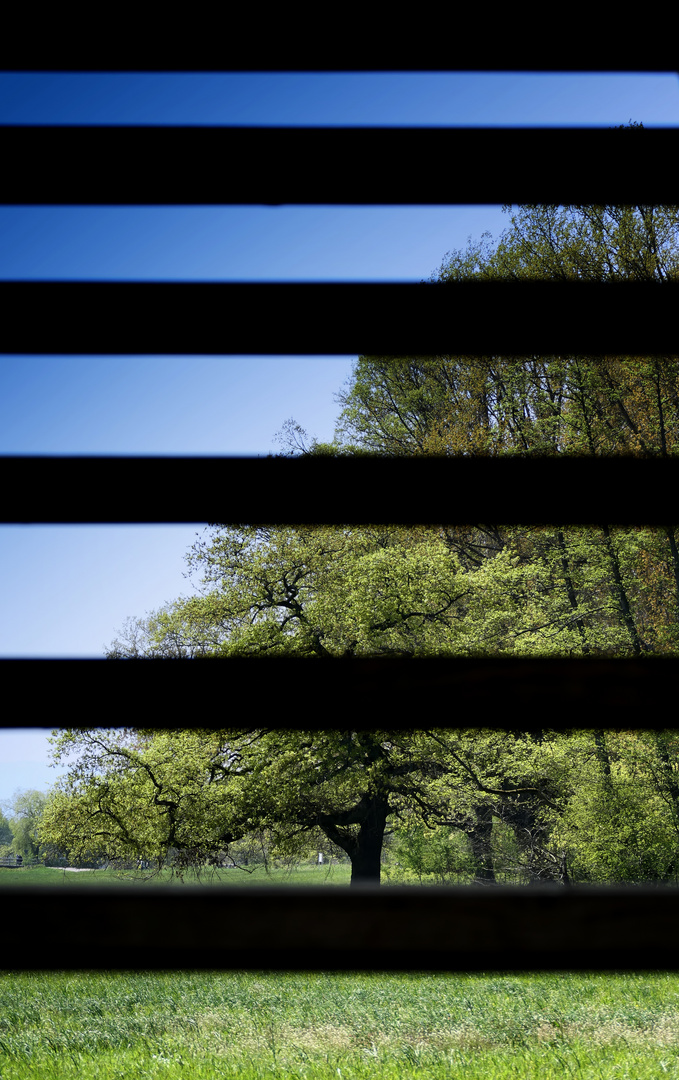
67 590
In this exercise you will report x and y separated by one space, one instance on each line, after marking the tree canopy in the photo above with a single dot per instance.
6 835
25 809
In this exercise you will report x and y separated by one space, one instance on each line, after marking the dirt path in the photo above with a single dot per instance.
73 869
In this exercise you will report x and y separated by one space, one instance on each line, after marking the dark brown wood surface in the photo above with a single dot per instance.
341 929
469 40
333 929
463 318
527 693
339 491
217 165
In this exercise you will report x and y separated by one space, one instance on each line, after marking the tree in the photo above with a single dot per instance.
315 591
332 593
26 810
5 835
190 794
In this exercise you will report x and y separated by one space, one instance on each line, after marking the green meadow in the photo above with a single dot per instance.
297 874
252 1025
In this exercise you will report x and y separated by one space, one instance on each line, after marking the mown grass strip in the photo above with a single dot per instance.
300 874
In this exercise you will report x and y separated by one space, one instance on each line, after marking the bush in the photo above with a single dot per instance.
437 855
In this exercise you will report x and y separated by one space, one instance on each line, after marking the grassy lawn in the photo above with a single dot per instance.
303 874
185 1025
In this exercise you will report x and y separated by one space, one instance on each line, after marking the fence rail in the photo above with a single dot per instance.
298 491
395 928
402 692
280 45
147 165
523 318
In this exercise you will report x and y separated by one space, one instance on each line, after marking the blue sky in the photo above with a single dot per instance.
66 591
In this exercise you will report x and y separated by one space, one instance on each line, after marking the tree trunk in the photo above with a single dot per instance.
669 776
364 846
366 859
620 593
674 551
604 758
530 838
570 588
481 848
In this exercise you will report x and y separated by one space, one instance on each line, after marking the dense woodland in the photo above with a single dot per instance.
597 805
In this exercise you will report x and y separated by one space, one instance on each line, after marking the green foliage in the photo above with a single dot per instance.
439 855
366 591
621 822
311 592
487 806
474 588
26 810
619 589
6 835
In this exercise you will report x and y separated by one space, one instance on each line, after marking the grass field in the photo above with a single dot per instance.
197 1026
251 1025
301 874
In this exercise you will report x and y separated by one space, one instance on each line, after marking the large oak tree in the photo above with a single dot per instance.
191 795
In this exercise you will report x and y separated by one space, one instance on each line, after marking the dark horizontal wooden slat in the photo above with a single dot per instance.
334 929
217 165
524 318
480 692
321 490
476 43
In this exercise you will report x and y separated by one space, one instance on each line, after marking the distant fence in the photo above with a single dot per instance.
14 861
29 860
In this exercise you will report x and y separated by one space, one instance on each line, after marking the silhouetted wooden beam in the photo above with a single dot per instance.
400 693
289 44
326 490
336 929
84 165
528 318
